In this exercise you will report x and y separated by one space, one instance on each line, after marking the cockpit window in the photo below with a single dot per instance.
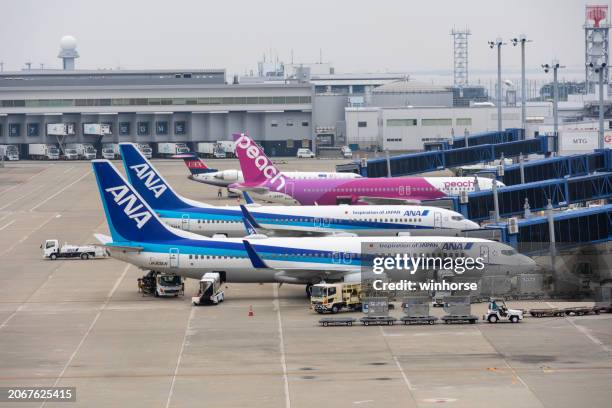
508 252
456 217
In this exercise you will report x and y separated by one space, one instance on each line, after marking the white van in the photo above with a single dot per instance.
305 153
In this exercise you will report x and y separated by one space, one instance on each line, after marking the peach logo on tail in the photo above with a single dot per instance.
261 162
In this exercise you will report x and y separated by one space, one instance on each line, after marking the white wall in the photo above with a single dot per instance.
412 137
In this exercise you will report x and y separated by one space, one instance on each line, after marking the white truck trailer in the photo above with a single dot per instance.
110 151
228 146
41 151
211 290
9 152
145 149
84 151
52 250
170 149
211 149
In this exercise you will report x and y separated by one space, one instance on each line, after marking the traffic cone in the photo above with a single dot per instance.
251 312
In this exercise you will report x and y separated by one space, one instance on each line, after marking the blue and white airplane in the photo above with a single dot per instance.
372 220
138 236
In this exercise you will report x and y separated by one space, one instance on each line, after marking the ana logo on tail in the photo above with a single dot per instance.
122 195
261 162
151 181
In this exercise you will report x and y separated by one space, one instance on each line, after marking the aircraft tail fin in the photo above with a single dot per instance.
256 166
194 164
129 216
147 181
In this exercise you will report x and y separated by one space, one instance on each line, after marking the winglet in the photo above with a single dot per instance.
247 197
256 260
249 222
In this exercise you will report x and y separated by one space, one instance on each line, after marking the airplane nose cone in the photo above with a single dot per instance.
468 224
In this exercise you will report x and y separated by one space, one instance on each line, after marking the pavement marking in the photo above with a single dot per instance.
9 249
89 329
283 358
21 197
585 331
6 225
180 356
5 215
515 375
399 367
25 181
60 191
406 380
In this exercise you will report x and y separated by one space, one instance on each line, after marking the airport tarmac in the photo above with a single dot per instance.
83 324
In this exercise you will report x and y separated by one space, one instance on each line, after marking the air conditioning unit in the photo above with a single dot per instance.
513 225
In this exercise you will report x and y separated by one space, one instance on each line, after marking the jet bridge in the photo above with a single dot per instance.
422 162
573 228
561 192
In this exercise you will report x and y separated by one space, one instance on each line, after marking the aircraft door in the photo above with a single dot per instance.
173 258
185 222
484 253
337 258
289 188
437 219
402 190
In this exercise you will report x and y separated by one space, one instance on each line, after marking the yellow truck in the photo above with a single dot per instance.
335 297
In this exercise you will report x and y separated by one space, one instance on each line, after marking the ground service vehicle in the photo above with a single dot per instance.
145 149
70 154
211 291
110 151
161 284
228 147
334 297
52 250
170 149
305 153
84 151
347 153
9 152
498 310
41 151
211 149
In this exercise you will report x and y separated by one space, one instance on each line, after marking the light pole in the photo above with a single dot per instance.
522 39
555 67
600 69
492 44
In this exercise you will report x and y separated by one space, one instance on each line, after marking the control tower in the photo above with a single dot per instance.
68 52
596 28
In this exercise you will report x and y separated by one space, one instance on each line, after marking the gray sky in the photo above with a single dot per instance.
355 35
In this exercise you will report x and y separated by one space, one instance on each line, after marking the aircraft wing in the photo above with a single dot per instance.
292 275
107 242
387 200
255 188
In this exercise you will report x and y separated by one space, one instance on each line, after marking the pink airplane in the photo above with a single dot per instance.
262 177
